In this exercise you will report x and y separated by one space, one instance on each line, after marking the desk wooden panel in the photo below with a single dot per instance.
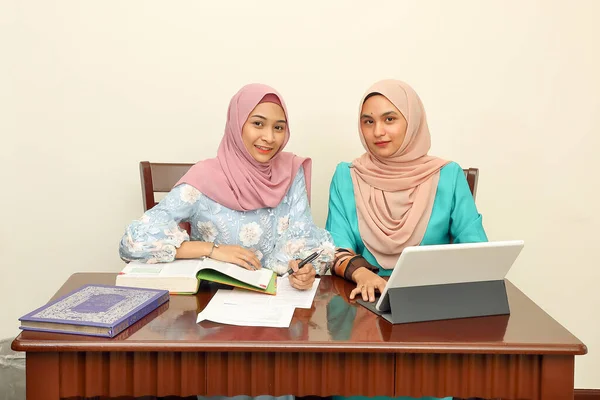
337 347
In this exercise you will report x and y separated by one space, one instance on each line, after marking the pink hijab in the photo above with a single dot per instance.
234 178
394 195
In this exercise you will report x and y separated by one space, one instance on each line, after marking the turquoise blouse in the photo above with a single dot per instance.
454 217
454 214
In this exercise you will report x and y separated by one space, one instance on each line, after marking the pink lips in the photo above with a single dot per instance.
262 151
382 144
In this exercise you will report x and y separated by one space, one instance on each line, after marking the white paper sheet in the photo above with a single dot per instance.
286 296
221 310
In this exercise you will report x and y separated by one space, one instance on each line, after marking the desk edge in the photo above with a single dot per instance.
253 347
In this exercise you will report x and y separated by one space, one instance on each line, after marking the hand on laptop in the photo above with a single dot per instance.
366 284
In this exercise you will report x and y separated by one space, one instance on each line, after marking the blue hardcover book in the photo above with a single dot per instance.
96 310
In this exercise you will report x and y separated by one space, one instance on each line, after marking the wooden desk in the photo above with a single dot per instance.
335 348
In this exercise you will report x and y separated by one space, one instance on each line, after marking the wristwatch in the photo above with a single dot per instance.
212 248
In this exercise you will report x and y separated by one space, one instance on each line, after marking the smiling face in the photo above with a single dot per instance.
383 126
264 131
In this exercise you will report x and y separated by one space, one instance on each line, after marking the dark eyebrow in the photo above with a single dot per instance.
261 117
385 114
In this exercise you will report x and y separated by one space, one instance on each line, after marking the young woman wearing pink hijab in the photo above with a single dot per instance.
395 195
248 206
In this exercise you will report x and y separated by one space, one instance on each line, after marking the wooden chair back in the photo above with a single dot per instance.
159 178
472 175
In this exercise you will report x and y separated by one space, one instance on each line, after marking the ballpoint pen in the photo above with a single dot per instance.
308 259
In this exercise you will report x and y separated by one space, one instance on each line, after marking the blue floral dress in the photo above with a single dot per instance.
276 235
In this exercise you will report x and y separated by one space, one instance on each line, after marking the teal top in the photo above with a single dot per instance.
454 217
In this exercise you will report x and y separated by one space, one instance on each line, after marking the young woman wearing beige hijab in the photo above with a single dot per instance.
395 195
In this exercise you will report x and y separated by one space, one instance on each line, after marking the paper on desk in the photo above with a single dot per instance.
286 296
223 311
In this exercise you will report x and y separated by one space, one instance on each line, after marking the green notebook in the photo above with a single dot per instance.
219 277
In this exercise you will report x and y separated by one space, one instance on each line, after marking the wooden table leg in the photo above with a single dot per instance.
558 378
41 374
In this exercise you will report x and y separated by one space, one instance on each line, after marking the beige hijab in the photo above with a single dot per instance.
394 195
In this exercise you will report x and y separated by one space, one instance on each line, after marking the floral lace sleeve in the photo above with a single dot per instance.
299 236
156 235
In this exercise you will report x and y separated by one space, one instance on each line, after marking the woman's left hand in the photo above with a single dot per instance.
303 278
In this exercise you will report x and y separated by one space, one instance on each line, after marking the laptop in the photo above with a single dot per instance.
450 263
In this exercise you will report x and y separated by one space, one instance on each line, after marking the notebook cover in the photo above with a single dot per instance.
112 307
216 276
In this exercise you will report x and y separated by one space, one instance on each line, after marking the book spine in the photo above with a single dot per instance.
133 318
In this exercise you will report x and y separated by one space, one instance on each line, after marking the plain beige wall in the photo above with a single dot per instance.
90 88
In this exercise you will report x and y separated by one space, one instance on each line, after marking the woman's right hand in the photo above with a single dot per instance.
366 284
239 255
